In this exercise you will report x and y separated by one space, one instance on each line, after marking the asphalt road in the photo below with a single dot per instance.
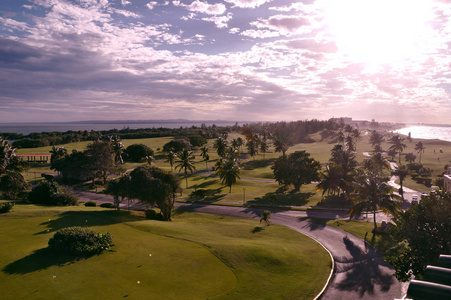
360 272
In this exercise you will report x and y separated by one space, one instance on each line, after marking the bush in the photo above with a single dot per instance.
90 203
153 215
6 207
138 152
108 205
197 140
177 145
50 193
79 241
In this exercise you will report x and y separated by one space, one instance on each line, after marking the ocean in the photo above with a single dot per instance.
27 128
427 132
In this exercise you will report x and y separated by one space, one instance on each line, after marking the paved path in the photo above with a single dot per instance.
361 272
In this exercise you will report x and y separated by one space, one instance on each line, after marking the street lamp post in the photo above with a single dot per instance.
244 196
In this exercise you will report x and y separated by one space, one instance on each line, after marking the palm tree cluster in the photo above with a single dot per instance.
364 185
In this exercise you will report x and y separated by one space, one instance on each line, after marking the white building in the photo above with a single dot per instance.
447 180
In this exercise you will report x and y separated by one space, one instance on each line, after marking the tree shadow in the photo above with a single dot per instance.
203 184
290 198
84 218
363 271
257 229
40 260
257 164
313 223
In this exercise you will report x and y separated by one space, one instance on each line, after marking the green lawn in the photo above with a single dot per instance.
195 256
259 168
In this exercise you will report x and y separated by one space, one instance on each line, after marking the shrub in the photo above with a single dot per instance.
90 203
138 152
197 140
108 205
151 214
6 207
79 241
50 193
13 185
177 145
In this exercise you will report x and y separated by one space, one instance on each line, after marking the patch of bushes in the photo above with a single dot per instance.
48 192
138 152
6 207
108 205
151 214
79 241
91 203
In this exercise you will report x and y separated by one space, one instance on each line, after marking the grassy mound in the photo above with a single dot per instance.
194 257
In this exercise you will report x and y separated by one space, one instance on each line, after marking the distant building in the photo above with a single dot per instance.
447 180
343 120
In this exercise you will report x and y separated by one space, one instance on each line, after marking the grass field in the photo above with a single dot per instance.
255 172
195 256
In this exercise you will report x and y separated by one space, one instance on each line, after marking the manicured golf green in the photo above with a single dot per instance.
195 256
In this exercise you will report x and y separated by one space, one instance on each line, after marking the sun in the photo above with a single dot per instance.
380 31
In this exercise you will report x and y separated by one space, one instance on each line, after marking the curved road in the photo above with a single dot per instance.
360 272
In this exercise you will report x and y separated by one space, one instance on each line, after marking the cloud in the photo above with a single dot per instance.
220 21
283 24
203 7
151 5
247 3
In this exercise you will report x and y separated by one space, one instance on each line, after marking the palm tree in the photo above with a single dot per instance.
252 147
350 145
376 139
374 193
205 155
220 145
117 148
379 162
229 172
240 143
170 158
402 173
186 163
263 147
410 157
420 148
357 135
266 215
330 180
235 144
397 145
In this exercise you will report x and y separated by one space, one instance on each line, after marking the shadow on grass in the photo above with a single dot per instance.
203 184
256 164
207 195
40 260
86 218
257 229
282 198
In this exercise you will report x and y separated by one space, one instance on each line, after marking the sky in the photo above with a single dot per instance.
243 60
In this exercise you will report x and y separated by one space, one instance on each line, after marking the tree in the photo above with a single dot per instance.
296 169
330 180
376 139
185 162
8 158
252 147
220 145
119 189
12 185
117 148
410 157
420 149
170 158
154 186
100 162
357 135
177 145
138 152
402 173
372 192
57 153
263 147
424 231
228 172
266 215
397 145
378 162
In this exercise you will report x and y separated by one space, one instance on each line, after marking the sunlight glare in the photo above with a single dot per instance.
382 31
